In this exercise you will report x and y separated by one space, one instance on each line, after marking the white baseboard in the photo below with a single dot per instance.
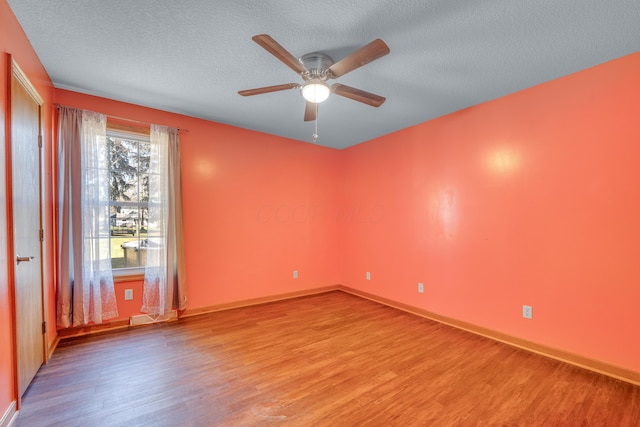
9 416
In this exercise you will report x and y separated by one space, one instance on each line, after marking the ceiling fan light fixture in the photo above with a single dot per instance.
316 91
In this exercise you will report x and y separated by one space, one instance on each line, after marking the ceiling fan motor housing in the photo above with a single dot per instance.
317 63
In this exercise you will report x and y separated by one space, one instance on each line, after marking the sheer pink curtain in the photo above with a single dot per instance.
164 276
85 291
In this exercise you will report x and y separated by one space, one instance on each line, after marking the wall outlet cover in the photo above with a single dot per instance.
527 312
421 288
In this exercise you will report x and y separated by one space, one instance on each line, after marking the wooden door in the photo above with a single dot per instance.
26 225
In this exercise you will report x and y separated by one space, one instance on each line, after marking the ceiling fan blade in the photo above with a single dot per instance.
274 48
374 50
267 89
310 112
358 95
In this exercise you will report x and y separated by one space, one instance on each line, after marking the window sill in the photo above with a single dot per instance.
128 278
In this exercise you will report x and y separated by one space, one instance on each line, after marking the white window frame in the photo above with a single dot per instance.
141 136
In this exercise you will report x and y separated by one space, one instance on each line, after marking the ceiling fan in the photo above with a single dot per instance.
316 68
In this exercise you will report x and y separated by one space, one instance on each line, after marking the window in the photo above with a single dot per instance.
120 200
129 155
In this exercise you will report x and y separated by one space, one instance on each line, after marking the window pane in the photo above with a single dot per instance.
144 221
141 162
134 253
123 155
123 221
144 187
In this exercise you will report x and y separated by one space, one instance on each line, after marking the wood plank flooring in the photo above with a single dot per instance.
332 359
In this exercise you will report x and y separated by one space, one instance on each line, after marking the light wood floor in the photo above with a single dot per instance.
327 360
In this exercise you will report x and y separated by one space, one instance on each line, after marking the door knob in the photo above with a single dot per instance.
20 259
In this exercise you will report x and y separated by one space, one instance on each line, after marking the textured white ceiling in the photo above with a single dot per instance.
191 57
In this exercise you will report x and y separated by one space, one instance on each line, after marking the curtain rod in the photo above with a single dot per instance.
127 120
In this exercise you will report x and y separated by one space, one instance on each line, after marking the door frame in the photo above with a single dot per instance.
14 71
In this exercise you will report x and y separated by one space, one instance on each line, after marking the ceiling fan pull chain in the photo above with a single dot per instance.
315 135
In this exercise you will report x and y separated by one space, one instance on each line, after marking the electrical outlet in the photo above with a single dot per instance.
527 312
295 274
421 288
128 294
368 275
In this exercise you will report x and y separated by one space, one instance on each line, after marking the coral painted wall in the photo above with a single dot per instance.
528 199
14 42
531 199
256 207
